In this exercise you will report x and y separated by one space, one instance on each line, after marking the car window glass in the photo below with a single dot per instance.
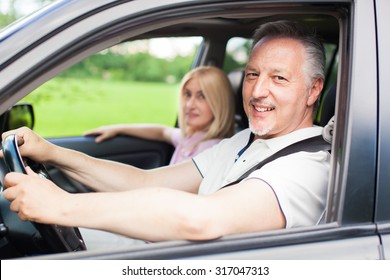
133 82
237 53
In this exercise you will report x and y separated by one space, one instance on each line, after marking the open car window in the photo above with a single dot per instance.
132 82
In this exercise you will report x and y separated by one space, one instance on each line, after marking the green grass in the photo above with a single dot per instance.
70 106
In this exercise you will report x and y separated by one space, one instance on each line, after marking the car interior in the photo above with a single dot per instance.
216 37
216 32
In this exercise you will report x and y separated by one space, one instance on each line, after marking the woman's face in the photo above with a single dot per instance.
196 110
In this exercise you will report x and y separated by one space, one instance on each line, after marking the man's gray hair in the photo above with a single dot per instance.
315 65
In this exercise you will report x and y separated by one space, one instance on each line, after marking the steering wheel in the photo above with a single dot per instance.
44 238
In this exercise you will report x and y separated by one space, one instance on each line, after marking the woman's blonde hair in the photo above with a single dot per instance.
218 92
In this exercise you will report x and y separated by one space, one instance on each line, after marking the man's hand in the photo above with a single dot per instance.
30 144
34 198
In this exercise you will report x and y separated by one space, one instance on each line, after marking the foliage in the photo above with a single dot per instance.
6 19
232 63
140 66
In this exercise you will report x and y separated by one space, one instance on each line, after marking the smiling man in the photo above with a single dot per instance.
283 80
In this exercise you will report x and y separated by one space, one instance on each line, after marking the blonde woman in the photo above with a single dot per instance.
206 116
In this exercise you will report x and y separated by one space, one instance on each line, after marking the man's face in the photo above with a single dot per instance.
276 98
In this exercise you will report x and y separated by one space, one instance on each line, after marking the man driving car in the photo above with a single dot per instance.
283 80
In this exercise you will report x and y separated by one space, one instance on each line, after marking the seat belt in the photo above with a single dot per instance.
311 145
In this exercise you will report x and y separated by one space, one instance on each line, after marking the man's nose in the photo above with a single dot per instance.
261 88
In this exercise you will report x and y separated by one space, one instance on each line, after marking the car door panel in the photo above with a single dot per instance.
324 243
386 245
349 249
134 151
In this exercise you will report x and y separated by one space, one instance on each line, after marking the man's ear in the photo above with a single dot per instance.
315 91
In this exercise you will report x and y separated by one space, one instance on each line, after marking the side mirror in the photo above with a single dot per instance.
17 116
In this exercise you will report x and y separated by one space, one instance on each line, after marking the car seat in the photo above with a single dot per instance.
326 109
236 78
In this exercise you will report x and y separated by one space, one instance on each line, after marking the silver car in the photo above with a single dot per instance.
41 47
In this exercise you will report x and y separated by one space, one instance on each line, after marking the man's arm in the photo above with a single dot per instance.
153 214
104 175
165 214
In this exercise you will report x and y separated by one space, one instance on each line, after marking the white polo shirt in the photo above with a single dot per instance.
299 180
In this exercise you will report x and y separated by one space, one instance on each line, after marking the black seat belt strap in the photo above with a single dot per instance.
311 145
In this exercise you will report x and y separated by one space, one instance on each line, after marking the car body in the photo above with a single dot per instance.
357 223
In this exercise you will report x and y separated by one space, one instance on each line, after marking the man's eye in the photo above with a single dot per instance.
280 78
251 75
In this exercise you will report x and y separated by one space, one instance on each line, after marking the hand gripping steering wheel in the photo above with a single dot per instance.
53 238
